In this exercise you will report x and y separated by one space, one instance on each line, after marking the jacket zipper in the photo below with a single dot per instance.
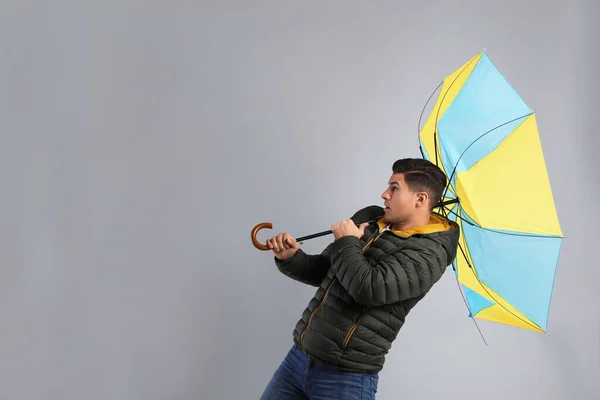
325 297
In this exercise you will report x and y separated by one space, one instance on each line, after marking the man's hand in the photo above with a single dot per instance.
283 246
348 228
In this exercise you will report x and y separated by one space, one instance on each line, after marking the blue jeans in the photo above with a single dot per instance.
299 377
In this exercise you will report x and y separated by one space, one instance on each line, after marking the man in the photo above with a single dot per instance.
368 280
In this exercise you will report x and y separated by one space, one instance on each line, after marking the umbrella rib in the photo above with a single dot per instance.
420 119
425 106
467 304
505 233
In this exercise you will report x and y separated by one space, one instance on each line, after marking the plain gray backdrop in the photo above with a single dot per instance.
142 141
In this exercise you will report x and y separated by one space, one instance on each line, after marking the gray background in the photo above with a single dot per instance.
143 140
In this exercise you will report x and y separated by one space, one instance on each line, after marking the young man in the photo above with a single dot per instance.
368 280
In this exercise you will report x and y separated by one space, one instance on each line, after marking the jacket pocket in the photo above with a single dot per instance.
352 330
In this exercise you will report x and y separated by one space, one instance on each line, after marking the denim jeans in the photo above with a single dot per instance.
299 377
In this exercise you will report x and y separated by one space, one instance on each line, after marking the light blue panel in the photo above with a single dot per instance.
476 301
487 102
452 216
448 166
521 269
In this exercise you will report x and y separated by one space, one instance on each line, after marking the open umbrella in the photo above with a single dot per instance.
485 138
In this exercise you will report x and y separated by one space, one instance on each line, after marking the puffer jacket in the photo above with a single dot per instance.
366 287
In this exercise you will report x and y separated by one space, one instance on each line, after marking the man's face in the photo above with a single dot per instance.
400 203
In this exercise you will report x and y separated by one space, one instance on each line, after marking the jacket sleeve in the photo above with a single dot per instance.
306 268
406 273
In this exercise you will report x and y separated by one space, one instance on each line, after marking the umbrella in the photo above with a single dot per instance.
484 136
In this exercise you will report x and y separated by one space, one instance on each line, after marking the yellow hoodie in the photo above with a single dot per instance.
437 223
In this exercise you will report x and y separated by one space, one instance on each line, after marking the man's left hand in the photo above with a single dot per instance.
348 228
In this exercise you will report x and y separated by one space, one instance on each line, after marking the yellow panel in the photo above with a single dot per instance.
450 88
509 188
504 313
499 315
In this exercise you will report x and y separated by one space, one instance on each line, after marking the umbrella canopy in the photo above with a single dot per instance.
485 138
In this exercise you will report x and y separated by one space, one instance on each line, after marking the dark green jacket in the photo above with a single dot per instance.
366 287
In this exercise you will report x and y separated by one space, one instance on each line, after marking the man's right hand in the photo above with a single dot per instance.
283 246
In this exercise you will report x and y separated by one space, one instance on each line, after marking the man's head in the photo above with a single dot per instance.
414 189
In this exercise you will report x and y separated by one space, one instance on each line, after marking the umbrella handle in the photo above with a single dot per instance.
268 225
258 227
300 240
371 214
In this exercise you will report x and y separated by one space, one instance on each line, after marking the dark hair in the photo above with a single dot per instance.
422 176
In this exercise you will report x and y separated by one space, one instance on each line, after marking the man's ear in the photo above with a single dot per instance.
422 198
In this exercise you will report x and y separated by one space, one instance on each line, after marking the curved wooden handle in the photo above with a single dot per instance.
257 244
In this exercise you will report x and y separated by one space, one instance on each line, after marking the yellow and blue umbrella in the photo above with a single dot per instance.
485 138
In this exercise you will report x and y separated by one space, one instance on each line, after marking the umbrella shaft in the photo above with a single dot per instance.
447 203
319 234
314 235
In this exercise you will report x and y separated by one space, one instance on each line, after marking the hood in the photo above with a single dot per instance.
437 223
439 229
